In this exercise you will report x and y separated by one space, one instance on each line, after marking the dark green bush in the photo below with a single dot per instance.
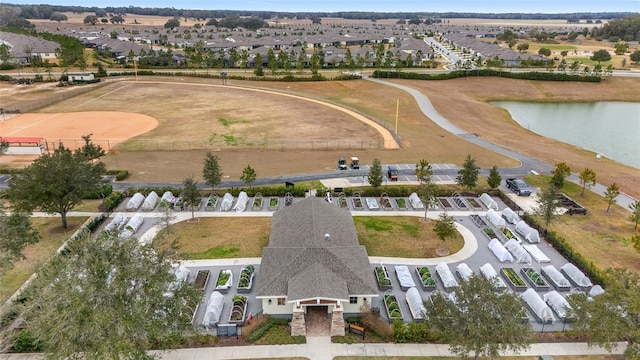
26 342
10 171
532 75
146 190
101 192
95 223
112 201
122 174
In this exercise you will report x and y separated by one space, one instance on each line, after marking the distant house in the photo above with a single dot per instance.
314 259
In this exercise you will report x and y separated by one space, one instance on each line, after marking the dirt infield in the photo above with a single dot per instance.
112 125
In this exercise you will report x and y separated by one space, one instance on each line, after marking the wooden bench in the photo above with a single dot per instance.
355 329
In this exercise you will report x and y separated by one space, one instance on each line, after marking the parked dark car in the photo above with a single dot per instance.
519 186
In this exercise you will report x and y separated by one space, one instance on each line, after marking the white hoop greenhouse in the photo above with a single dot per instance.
464 271
530 234
116 223
540 309
558 303
555 276
500 251
490 274
214 310
150 202
488 201
519 253
134 203
510 215
227 202
415 201
575 275
446 276
241 204
415 303
495 219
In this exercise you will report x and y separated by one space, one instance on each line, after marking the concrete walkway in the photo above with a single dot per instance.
321 348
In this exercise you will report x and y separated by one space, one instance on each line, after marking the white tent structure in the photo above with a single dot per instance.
556 277
488 201
500 251
415 304
241 204
446 276
404 277
415 201
495 218
540 309
227 202
575 275
181 273
490 274
464 271
558 303
150 201
596 290
530 234
536 253
213 311
167 198
134 223
510 215
519 253
116 223
134 203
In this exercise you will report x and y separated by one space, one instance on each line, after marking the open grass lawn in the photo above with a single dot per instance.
403 236
53 236
601 237
280 335
216 238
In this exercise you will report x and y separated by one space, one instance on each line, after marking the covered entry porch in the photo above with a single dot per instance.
318 317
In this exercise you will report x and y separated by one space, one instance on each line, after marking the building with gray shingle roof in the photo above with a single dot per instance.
314 259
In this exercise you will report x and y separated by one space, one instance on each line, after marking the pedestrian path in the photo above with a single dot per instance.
321 348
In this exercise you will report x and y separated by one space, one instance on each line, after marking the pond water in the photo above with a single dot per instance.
610 128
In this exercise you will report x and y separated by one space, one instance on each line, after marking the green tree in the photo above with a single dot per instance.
15 234
612 316
494 179
56 16
635 57
601 55
546 205
635 213
544 51
4 146
635 240
468 175
56 183
114 298
248 175
445 227
523 47
560 173
428 190
564 53
211 171
611 194
172 23
481 322
587 179
621 48
375 174
91 19
190 194
272 61
258 64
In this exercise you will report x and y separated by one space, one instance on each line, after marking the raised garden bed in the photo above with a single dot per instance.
510 234
393 307
535 279
385 202
202 278
459 203
342 201
245 281
274 201
445 203
513 279
489 233
256 204
357 202
224 281
478 220
401 203
212 201
474 203
238 309
427 280
382 278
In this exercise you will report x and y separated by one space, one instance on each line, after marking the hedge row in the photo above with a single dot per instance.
532 75
112 201
261 331
285 78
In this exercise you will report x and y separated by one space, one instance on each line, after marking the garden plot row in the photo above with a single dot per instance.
413 202
528 281
153 202
243 203
228 302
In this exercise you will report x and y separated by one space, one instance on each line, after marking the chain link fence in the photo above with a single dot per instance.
184 145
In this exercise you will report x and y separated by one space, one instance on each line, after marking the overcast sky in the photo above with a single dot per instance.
487 6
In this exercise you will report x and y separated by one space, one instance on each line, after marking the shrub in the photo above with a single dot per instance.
112 201
261 331
533 75
121 175
95 223
26 342
101 192
375 323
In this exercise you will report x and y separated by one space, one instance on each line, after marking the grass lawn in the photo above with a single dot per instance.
403 236
216 238
280 335
601 237
53 236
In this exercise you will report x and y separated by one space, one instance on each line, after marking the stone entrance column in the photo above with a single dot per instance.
337 320
298 325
